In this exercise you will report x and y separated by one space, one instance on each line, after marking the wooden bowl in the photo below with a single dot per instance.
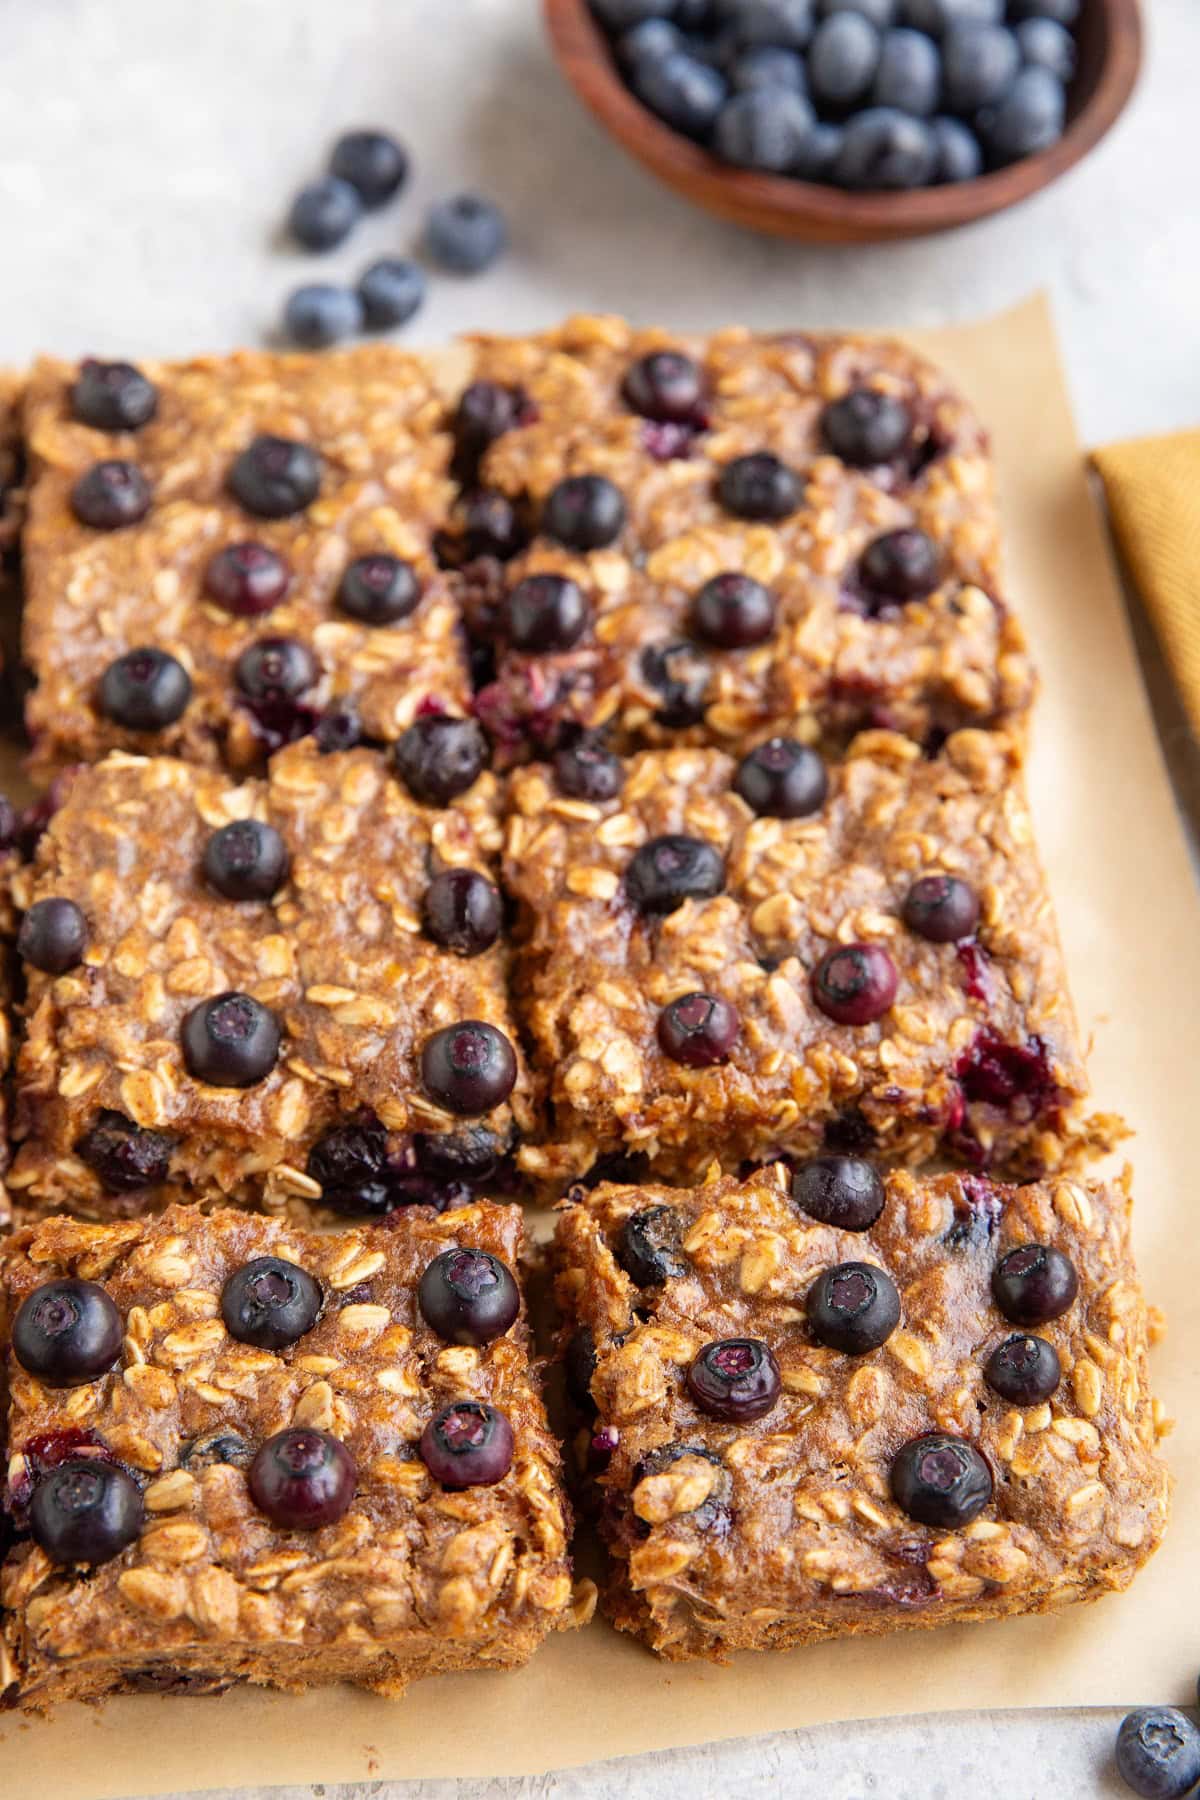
1110 53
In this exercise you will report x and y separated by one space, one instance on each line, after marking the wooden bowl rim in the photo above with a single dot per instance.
584 54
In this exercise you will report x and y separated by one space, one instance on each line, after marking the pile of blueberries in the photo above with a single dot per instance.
857 94
464 234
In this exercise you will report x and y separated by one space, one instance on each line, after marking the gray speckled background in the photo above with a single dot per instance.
147 151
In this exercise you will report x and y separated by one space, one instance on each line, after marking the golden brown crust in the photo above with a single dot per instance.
783 1531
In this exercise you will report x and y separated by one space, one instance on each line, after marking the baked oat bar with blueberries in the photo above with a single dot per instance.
724 962
676 539
824 1402
242 1452
283 991
225 554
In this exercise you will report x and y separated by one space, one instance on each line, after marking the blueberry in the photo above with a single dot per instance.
270 1303
885 149
379 589
733 611
145 690
123 1155
1034 1284
579 1364
942 908
1063 12
86 1511
668 870
764 128
492 525
698 1030
936 16
339 728
230 1041
245 860
959 157
324 213
941 1481
347 1155
784 24
586 771
1049 44
684 92
760 487
648 41
901 565
469 1154
680 673
461 911
735 1379
113 396
855 984
881 13
247 579
909 73
1158 1752
665 385
866 427
620 15
319 314
465 233
67 1333
485 411
391 291
822 147
853 1307
303 1479
842 1191
275 477
468 1444
111 494
53 936
468 1297
584 512
648 1247
782 779
372 162
439 757
468 1068
1029 118
545 612
1023 1370
843 59
767 66
979 64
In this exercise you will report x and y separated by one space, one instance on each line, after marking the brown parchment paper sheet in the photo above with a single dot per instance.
1130 919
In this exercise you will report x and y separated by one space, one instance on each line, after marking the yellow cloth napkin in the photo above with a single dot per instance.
1153 489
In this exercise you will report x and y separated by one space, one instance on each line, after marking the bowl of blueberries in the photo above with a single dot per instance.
852 120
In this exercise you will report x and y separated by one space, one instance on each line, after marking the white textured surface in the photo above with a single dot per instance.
147 151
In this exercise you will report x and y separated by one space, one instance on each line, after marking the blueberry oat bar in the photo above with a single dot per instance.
676 539
290 989
224 554
240 1452
825 1403
724 962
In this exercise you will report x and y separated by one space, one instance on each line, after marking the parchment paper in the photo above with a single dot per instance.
1130 920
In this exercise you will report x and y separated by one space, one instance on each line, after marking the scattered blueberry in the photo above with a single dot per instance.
733 611
698 1030
247 579
763 128
940 1480
842 1191
586 771
111 494
681 674
885 149
545 612
324 213
145 690
901 565
391 291
123 1155
461 911
665 385
648 1248
1023 1370
270 1303
53 935
468 1444
867 428
86 1511
1028 118
1158 1753
782 779
372 162
979 64
1049 44
735 1379
785 24
274 668
245 860
853 1307
468 1296
319 314
303 1479
760 487
275 477
959 157
942 908
1034 1284
485 411
379 589
67 1333
113 396
855 984
765 65
843 59
668 870
468 1068
579 1364
584 512
492 525
684 92
465 233
909 72
439 757
230 1041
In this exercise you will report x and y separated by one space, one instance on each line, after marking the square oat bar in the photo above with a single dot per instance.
681 539
183 516
829 1405
283 990
726 962
240 1452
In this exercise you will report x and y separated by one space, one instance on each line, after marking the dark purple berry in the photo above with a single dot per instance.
1158 1753
698 1030
230 1041
941 908
579 1364
760 487
211 1448
275 667
111 494
735 1379
853 1307
303 1479
665 385
378 590
855 984
270 1303
1034 1284
113 396
468 1296
245 860
145 690
681 675
669 870
53 936
733 612
586 771
941 1481
486 410
492 526
545 613
1023 1370
470 1154
339 729
348 1154
648 1249
9 826
465 233
782 779
842 1191
123 1155
462 912
866 428
67 1332
439 757
901 565
467 1444
372 162
468 1068
86 1511
247 579
362 1199
584 512
275 477
324 213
